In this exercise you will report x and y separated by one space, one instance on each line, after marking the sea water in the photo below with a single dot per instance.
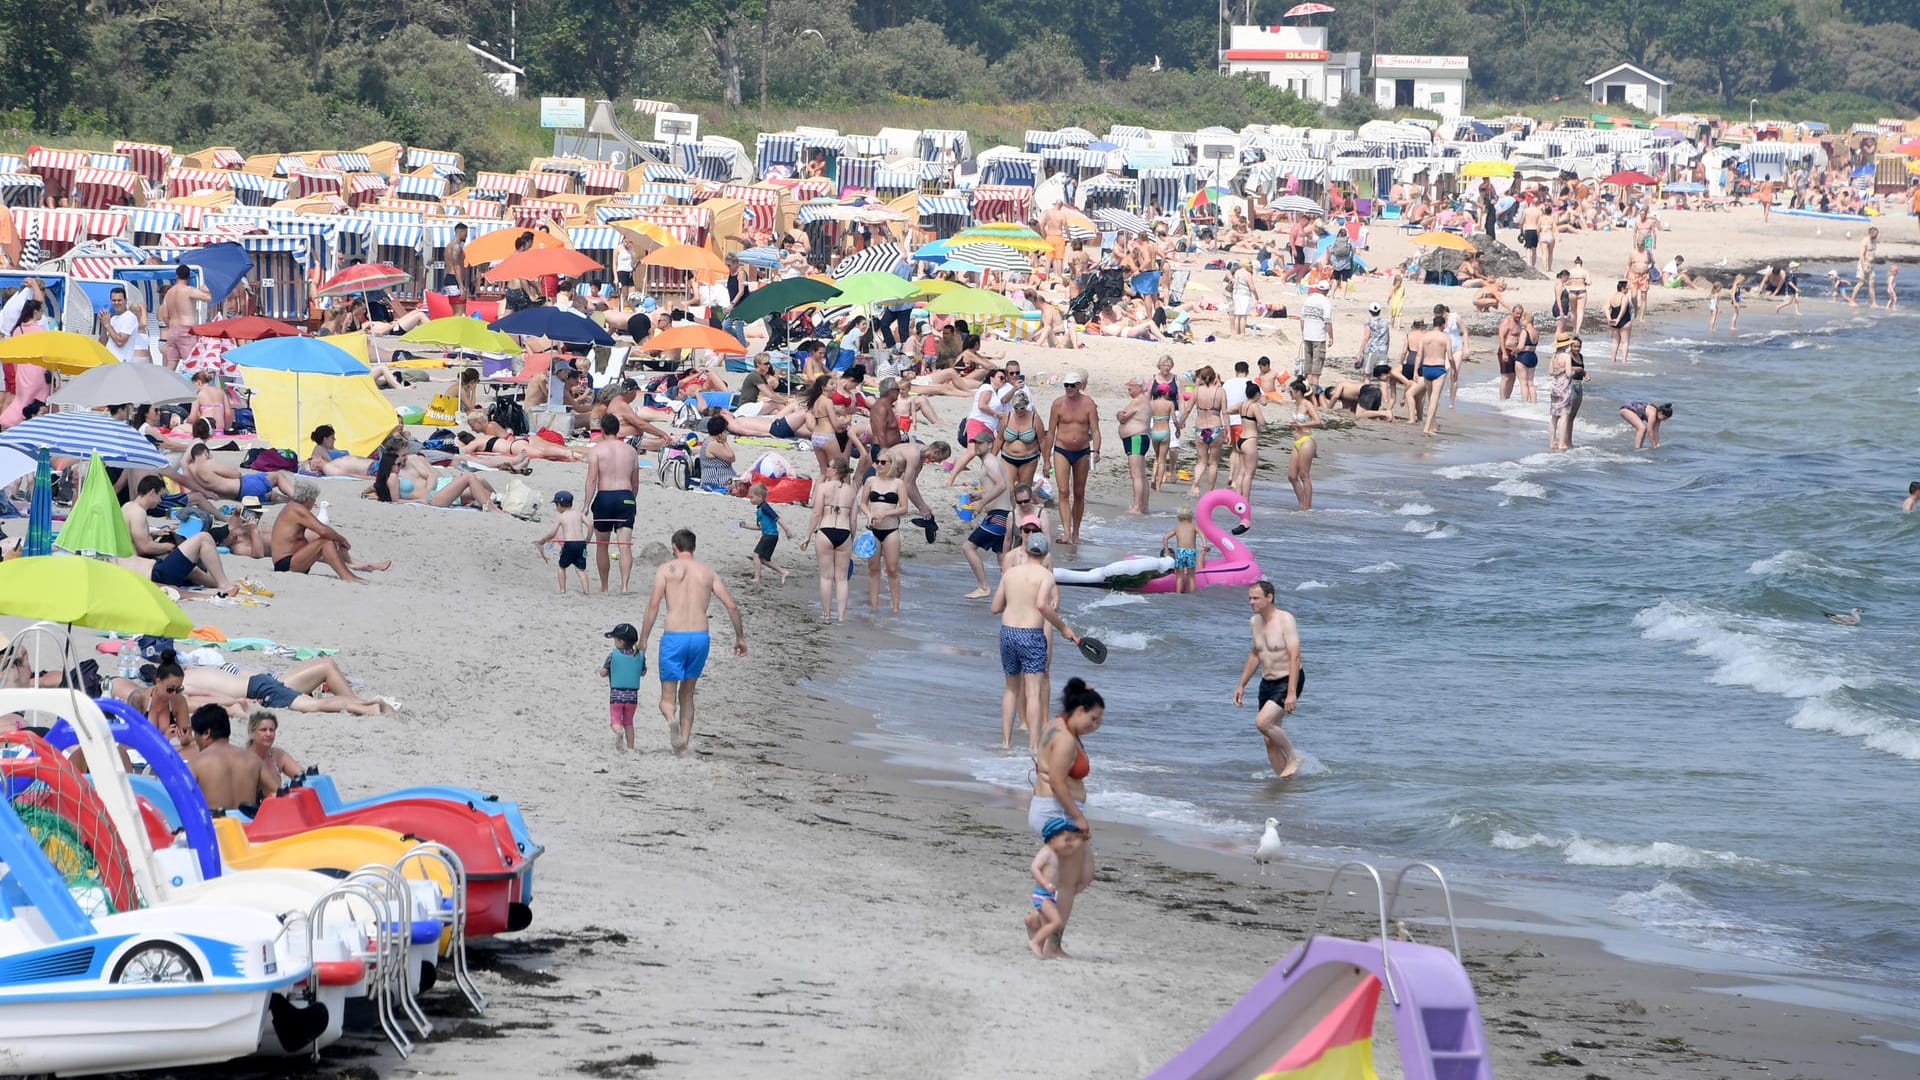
1602 672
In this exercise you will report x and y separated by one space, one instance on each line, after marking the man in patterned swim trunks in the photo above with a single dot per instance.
1027 601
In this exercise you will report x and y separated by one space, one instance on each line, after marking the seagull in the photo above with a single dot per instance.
1850 618
1269 848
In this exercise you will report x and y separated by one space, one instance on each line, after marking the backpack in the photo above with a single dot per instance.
508 414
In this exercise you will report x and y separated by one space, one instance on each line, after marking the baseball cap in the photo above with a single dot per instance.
623 632
629 386
1037 543
1073 378
250 502
1031 521
1320 286
563 498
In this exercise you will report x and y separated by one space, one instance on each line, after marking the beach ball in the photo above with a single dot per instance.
865 546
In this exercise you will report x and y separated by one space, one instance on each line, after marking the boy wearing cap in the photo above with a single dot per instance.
624 666
1060 840
571 531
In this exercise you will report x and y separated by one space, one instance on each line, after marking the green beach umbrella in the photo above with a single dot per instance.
874 287
783 295
88 592
461 332
95 525
972 303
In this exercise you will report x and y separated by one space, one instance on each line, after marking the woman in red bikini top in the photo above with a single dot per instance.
1060 774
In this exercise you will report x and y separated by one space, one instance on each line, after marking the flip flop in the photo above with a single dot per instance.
1093 649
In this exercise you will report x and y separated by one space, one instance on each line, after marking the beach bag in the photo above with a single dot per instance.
440 411
518 499
508 414
267 459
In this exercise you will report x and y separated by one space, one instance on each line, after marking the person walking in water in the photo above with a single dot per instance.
687 585
1276 656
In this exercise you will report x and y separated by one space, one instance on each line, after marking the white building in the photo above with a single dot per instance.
1294 58
1630 86
1435 83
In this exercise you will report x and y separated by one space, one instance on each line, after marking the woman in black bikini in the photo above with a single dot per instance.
882 500
833 524
1022 438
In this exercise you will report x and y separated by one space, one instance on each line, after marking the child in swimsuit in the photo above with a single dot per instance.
571 533
1187 546
1060 840
622 670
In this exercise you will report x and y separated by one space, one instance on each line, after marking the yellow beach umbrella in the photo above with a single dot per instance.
972 303
1450 241
935 286
1490 167
288 405
56 350
79 591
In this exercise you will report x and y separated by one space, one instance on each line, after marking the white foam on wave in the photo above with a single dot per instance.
1413 509
1669 909
1796 563
1114 599
1520 489
1876 731
1442 533
1766 655
1388 567
1311 586
1580 851
1128 640
1420 526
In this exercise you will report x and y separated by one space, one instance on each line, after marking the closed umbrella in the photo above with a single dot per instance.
95 525
40 507
77 434
364 278
563 262
781 296
990 257
113 384
461 332
972 303
694 337
56 350
550 322
88 592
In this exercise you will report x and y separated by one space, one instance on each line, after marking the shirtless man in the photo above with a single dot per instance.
226 482
912 457
1074 423
1869 254
991 528
231 777
1134 418
1530 220
1433 351
454 255
1027 601
295 692
1639 276
613 476
1276 656
1509 350
177 314
620 408
299 540
688 586
193 562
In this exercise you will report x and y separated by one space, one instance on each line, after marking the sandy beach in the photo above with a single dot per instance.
785 898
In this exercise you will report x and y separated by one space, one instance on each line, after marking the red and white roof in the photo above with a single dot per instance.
192 181
97 189
150 160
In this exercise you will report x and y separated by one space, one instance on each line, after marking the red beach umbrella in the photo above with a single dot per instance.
1307 9
245 328
1629 178
364 278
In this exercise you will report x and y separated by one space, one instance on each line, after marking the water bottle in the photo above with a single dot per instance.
129 657
321 513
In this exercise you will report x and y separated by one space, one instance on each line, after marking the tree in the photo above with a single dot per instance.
1724 35
1431 26
575 46
1045 68
41 42
1882 11
1629 28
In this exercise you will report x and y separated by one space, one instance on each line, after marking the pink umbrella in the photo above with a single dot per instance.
1307 9
364 278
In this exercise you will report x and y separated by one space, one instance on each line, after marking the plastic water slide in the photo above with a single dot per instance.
1311 1016
603 125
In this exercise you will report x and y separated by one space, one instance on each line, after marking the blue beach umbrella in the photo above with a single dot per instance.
77 434
934 252
300 355
549 322
40 510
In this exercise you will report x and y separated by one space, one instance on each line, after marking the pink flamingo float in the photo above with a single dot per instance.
1232 563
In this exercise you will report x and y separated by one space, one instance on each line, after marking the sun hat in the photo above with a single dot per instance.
250 502
623 632
1055 826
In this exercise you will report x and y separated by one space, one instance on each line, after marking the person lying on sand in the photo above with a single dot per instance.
296 688
215 480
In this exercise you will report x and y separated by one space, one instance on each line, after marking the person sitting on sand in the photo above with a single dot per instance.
299 539
231 778
190 563
295 688
263 729
395 482
209 403
1490 295
218 481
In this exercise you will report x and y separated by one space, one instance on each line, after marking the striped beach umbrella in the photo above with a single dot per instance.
1295 204
885 258
40 509
77 434
1124 221
998 257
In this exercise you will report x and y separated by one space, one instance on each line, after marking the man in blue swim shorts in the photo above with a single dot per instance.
218 481
687 585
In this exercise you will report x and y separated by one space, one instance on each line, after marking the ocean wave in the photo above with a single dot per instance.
1444 532
1796 563
1767 655
1414 509
1670 909
1520 489
1311 586
1388 567
1577 850
1128 640
1876 731
1420 526
1114 599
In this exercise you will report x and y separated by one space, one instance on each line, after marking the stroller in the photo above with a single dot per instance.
1104 287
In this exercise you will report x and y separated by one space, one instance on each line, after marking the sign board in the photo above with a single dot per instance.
563 112
676 127
1400 62
1218 151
